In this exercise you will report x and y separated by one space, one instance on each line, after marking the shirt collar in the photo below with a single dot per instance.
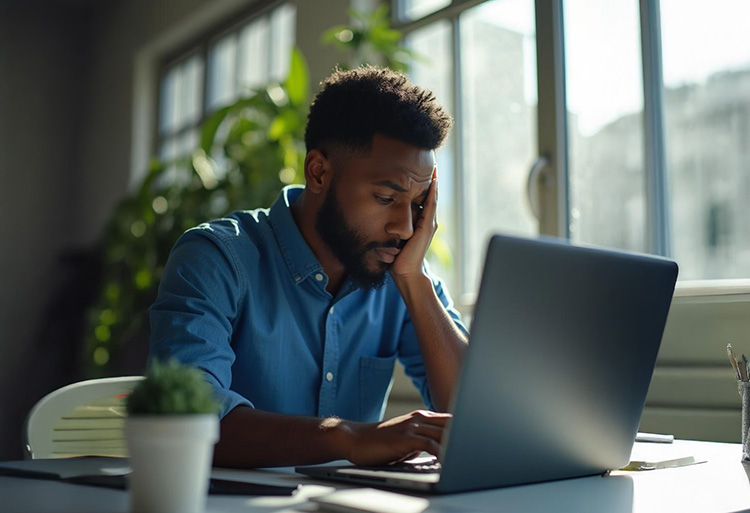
299 258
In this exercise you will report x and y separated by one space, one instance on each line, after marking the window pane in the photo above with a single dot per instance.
169 101
498 77
706 63
282 40
188 143
221 67
415 9
192 90
605 123
169 150
253 62
434 43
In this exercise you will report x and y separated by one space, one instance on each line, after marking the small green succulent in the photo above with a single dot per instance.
172 388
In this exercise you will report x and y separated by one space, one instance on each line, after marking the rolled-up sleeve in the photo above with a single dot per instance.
199 299
410 353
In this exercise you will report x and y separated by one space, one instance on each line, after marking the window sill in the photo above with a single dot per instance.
693 288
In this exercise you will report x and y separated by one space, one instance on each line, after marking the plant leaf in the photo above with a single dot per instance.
212 124
385 36
379 17
331 35
298 81
286 123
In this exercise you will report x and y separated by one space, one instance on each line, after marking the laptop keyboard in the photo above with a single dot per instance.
419 467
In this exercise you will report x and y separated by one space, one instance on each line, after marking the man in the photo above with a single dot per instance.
296 313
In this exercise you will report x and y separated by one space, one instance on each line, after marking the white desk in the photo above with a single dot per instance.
720 485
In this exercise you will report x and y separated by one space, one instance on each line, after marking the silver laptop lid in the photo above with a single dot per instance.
563 347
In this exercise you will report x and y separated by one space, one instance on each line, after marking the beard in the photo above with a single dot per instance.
348 245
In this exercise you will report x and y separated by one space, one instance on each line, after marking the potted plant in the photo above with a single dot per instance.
171 429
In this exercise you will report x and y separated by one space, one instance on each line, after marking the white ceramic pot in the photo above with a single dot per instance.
170 456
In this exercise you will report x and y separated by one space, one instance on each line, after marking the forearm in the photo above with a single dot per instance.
441 341
253 438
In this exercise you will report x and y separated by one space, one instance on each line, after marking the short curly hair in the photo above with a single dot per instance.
352 106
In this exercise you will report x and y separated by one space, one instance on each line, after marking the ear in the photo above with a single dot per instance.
318 172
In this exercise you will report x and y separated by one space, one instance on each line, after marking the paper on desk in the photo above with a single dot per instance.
370 500
646 456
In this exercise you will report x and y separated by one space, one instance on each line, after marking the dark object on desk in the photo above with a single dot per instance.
215 486
224 487
112 473
65 468
119 482
563 347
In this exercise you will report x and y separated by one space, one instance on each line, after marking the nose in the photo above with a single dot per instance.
401 222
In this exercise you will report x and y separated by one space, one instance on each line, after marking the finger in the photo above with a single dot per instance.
426 444
430 413
432 418
409 456
430 203
433 432
434 176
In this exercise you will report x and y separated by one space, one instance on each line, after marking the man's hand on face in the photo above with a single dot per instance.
408 263
396 439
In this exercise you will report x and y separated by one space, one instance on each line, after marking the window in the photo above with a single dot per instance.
706 56
605 123
217 70
498 89
415 9
496 75
435 73
650 117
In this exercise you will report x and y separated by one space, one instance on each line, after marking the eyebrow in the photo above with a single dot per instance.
397 187
392 185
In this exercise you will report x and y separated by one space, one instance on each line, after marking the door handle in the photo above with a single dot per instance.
535 179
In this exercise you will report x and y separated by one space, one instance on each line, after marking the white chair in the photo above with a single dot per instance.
81 419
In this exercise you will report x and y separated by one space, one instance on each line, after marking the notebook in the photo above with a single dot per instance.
562 349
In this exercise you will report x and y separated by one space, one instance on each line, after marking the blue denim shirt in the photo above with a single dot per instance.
244 299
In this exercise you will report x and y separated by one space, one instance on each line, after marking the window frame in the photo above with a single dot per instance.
551 170
551 117
201 45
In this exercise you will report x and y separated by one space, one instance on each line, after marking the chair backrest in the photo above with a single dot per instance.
81 419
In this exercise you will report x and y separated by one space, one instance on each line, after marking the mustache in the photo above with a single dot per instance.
393 243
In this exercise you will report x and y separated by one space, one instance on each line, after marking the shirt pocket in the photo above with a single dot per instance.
375 380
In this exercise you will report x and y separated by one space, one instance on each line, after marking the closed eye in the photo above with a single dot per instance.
383 200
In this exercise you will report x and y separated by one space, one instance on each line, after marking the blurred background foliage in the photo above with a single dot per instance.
371 40
248 152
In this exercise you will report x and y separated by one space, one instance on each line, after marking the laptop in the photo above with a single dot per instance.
562 349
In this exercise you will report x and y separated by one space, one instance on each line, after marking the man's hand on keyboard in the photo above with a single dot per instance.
396 439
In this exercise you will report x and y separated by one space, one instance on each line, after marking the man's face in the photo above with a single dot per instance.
372 207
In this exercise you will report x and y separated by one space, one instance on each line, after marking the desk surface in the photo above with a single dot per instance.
722 484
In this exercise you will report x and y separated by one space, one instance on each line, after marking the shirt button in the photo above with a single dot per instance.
319 277
329 376
331 310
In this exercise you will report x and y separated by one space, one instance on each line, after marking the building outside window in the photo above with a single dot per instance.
481 61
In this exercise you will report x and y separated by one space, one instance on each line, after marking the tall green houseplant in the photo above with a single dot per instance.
260 139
